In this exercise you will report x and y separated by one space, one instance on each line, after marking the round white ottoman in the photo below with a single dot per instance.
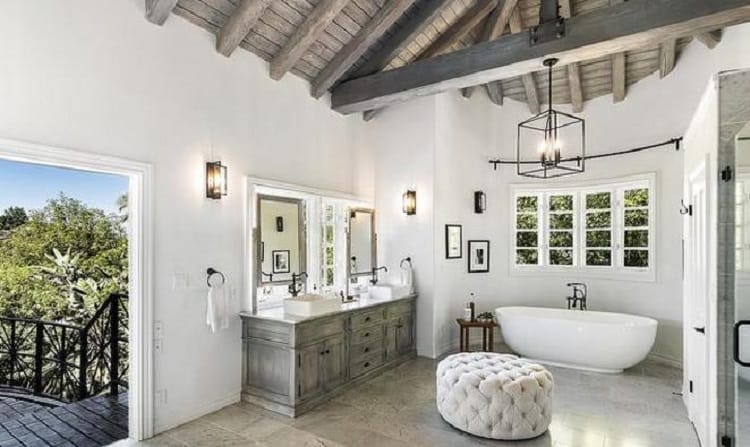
497 396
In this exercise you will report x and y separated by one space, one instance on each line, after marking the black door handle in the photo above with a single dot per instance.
737 342
700 330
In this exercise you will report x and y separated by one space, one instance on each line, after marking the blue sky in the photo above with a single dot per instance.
29 185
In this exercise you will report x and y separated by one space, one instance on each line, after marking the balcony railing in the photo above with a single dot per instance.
66 361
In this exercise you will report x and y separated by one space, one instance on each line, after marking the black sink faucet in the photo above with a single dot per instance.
375 270
580 293
294 290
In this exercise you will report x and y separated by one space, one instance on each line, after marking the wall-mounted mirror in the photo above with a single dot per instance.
361 241
282 236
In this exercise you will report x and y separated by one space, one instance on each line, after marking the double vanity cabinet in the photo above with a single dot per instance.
291 364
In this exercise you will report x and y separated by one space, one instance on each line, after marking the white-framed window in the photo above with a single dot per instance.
603 228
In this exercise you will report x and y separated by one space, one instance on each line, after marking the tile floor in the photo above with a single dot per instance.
635 409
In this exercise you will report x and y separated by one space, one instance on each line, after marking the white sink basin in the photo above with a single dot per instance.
388 291
311 304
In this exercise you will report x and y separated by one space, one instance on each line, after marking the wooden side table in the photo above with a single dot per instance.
488 334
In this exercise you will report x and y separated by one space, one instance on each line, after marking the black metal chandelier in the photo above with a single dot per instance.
552 143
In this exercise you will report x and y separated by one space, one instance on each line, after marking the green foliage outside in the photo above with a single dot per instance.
13 217
63 261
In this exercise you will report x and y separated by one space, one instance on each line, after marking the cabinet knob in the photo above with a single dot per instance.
322 353
367 318
367 334
367 364
367 349
328 351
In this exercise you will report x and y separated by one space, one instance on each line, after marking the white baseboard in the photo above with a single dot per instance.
229 399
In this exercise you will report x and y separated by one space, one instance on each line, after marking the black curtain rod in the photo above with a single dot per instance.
676 142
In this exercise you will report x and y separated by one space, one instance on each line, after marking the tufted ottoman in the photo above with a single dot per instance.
498 396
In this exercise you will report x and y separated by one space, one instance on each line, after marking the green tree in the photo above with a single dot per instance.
13 217
63 262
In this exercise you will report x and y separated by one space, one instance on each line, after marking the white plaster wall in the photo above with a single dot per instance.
402 142
96 76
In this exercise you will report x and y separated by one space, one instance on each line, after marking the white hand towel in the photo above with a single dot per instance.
407 276
217 308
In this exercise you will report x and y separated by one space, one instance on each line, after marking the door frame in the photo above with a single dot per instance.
698 174
140 254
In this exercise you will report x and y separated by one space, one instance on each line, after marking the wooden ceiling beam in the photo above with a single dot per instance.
566 11
493 28
710 39
576 90
352 51
240 23
460 28
425 14
667 57
305 35
532 95
629 25
495 92
619 82
157 11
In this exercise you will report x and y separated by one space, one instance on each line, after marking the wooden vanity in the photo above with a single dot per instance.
291 364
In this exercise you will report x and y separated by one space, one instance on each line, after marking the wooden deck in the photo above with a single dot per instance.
93 422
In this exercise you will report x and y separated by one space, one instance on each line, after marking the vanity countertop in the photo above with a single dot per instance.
278 314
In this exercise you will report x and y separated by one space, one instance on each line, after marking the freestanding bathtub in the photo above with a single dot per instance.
594 341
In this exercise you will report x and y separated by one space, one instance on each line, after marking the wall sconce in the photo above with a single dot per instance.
480 202
216 180
410 203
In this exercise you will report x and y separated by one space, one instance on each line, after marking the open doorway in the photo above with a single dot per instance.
75 304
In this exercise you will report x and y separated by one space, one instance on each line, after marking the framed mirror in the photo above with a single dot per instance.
282 239
362 244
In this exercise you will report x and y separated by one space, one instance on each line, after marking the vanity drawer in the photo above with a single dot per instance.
365 364
367 335
400 308
362 319
319 329
358 352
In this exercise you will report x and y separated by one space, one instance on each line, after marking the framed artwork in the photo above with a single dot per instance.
479 256
453 242
280 261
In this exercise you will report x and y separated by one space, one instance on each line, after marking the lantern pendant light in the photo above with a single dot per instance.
552 143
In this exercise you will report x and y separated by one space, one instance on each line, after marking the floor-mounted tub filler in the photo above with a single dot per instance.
595 341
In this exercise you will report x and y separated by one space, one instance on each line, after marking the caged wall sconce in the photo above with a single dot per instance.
216 180
480 202
410 203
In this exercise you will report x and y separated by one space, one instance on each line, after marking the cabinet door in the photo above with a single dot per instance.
333 363
405 334
391 340
309 362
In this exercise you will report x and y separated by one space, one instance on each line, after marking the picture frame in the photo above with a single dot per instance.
479 256
280 224
453 241
280 260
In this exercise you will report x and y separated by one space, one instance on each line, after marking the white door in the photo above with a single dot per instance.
696 283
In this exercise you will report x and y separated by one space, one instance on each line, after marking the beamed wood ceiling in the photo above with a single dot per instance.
328 42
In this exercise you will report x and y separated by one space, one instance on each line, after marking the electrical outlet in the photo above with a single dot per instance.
158 329
157 346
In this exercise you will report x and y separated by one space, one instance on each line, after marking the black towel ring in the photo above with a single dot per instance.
211 272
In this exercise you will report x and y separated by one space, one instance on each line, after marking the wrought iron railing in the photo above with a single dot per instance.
66 361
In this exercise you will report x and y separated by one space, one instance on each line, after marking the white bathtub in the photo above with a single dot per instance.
594 341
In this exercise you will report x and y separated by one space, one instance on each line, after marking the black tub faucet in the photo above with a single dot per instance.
375 270
580 293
